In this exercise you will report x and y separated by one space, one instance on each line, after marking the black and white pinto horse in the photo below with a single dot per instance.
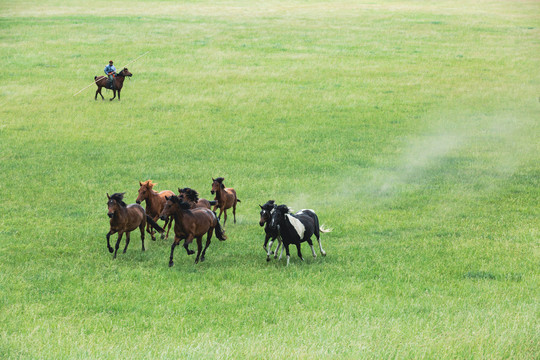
270 234
297 228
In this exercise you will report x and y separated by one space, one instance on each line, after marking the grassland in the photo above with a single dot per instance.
411 128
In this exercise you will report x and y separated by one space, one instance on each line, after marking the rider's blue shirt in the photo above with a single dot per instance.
109 68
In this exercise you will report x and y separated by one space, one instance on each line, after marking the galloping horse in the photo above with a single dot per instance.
126 218
226 198
297 228
191 223
118 82
154 204
266 215
192 198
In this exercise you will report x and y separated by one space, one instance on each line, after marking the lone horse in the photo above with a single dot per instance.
226 198
191 224
126 218
118 82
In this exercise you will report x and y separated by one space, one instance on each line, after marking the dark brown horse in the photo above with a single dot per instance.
118 82
226 198
126 218
191 224
192 198
154 204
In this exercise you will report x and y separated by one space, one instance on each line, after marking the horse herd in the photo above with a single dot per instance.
193 218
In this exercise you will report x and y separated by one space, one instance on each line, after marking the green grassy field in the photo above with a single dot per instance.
411 127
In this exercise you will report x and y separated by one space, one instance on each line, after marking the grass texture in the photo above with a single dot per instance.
411 127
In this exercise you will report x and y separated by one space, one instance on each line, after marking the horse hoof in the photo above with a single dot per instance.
191 252
111 250
202 259
123 252
162 236
267 258
171 264
323 254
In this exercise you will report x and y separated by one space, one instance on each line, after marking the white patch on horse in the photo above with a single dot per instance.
297 224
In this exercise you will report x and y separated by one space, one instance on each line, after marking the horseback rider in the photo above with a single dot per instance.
110 71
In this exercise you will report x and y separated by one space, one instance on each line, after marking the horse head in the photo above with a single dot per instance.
172 205
266 212
125 72
116 200
217 184
144 190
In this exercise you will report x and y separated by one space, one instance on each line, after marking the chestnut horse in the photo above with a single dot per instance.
226 198
191 223
154 204
192 198
124 219
118 82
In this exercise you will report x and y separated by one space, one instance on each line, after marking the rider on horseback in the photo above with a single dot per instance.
110 71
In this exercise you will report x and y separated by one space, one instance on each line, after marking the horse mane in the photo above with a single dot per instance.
191 194
148 183
119 198
283 209
183 205
220 181
269 205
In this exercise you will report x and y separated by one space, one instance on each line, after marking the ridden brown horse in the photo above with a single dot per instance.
192 198
154 204
124 219
191 224
118 82
226 198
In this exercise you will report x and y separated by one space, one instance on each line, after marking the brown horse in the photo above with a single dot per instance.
191 223
192 198
226 198
154 204
118 82
124 219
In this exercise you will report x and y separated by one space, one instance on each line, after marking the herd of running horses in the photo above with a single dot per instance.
193 218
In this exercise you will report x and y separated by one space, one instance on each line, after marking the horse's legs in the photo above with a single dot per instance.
267 248
151 231
208 237
141 228
175 242
311 246
188 241
287 252
323 253
119 94
127 242
117 244
219 216
199 248
224 217
169 228
164 226
114 94
108 242
234 212
299 252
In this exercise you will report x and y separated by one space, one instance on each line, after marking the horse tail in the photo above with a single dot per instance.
238 200
324 230
220 233
213 202
154 224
